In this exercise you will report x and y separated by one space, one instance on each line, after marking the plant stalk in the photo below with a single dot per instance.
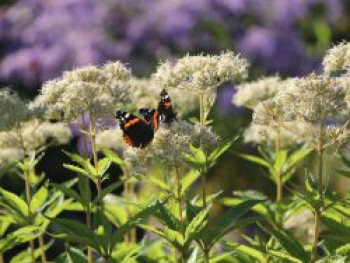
1 258
315 238
318 209
202 123
29 199
279 182
42 247
88 210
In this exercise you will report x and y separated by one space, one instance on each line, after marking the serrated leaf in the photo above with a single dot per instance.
255 159
103 166
77 169
76 232
39 198
19 236
248 250
221 149
15 202
188 180
292 246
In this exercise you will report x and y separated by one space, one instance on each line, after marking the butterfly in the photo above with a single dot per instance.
164 112
136 131
165 108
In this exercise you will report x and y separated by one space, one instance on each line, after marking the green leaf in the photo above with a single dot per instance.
196 225
188 180
113 156
15 202
69 192
235 212
21 235
103 166
215 154
293 247
77 169
25 257
111 188
280 161
255 159
248 250
337 227
84 190
76 232
72 255
343 250
131 223
298 155
39 198
285 256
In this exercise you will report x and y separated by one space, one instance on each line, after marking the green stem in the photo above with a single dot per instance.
206 256
1 258
279 182
318 209
42 247
87 189
316 235
202 123
180 203
88 223
28 199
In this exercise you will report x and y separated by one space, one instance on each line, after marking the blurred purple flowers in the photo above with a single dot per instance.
41 38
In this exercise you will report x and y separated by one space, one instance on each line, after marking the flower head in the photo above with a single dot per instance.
337 58
313 98
201 72
251 94
88 89
31 136
14 110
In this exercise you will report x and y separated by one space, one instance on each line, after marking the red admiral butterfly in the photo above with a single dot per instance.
136 131
165 108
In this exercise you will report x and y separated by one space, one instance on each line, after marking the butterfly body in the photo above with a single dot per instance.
136 131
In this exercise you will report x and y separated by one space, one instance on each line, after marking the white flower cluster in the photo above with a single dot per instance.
251 94
288 134
14 110
337 58
110 139
31 136
201 72
169 144
88 89
314 97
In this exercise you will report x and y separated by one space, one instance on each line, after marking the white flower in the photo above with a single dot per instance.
313 98
110 139
13 109
290 134
252 93
337 58
89 89
201 72
31 136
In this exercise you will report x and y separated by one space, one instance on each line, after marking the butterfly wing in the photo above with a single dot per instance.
136 132
151 116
